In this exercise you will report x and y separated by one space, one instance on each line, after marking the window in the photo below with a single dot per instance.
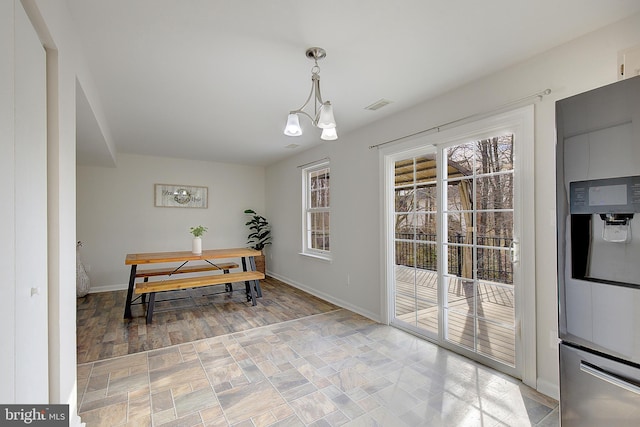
316 211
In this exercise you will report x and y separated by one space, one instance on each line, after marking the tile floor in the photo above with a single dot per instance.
331 369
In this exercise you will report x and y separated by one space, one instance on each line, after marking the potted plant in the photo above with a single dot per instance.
259 236
197 238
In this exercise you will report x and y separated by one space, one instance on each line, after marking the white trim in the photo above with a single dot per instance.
385 289
327 297
316 256
528 246
548 388
108 288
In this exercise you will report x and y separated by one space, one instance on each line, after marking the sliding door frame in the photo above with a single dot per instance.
521 123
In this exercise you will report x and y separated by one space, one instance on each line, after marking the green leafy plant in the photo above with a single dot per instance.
198 231
260 230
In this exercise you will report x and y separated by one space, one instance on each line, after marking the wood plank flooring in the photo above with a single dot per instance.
184 316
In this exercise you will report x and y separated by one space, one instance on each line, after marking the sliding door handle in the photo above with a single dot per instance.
514 251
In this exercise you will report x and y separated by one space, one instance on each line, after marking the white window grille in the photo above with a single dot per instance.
316 210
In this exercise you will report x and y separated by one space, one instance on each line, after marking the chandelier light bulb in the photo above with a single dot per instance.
329 134
326 119
293 126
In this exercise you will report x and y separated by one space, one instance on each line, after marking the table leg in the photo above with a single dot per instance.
253 286
251 293
252 264
150 306
228 287
132 280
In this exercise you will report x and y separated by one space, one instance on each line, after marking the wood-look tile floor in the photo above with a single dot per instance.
186 316
330 368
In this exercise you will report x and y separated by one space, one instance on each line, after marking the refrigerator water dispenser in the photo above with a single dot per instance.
602 216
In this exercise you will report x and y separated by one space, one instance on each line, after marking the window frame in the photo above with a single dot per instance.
307 209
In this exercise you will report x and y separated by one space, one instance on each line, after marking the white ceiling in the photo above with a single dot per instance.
214 79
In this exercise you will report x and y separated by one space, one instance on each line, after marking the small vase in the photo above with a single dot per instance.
197 245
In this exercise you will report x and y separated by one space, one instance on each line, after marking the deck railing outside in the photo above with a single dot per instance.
492 264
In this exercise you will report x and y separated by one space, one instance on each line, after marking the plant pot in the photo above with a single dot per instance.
196 246
261 263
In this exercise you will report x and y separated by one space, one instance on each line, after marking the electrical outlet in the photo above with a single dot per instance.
348 279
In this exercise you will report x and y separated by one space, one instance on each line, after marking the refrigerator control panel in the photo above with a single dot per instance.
603 196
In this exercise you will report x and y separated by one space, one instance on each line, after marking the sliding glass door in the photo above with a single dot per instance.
416 286
477 220
454 224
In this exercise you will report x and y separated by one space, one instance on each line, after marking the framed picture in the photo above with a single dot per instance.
180 196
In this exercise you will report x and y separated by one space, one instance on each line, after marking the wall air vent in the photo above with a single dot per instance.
378 104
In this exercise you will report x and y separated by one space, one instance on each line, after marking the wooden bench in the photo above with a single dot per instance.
249 277
186 269
169 271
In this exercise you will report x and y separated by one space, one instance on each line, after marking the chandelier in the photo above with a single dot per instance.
322 110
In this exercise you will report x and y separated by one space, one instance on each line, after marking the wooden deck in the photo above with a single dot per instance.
493 307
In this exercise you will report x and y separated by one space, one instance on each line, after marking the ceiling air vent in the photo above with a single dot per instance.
378 104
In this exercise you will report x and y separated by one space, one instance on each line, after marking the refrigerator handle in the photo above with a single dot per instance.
608 377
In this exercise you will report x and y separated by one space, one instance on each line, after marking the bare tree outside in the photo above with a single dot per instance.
489 166
480 177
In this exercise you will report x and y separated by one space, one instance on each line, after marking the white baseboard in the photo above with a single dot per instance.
373 316
108 288
550 389
76 421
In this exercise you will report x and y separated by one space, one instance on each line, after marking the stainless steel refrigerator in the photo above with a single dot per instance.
598 226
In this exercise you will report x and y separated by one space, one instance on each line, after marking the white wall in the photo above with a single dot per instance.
31 345
116 213
583 64
7 210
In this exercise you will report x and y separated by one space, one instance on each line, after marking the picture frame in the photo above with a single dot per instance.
181 196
